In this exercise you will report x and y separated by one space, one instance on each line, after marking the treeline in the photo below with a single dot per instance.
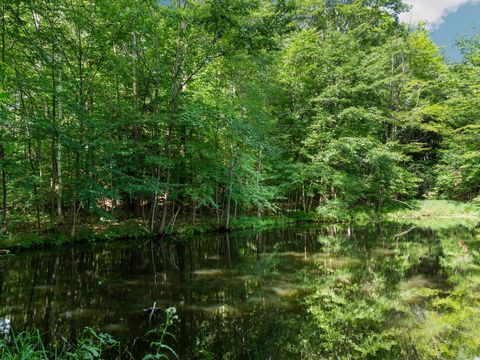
144 109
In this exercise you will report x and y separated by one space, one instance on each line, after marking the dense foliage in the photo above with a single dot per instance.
157 110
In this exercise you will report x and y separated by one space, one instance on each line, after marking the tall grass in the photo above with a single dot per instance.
29 345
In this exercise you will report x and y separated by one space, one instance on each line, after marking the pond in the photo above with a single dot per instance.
378 291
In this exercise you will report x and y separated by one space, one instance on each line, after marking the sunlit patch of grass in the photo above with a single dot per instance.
216 309
438 214
329 261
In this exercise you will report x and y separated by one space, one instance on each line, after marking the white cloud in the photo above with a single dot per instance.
432 12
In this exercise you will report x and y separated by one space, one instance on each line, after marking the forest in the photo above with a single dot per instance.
142 119
135 109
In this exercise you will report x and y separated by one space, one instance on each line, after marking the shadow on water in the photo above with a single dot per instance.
238 295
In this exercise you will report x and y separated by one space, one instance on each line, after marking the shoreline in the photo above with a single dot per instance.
133 229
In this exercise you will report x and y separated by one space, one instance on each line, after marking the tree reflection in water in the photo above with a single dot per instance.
243 294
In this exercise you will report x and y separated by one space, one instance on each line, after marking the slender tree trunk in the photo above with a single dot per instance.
136 106
59 145
194 213
155 132
304 206
259 171
29 152
167 182
75 194
227 208
35 190
229 193
53 150
136 131
112 209
217 200
3 174
4 189
46 110
171 118
78 155
117 103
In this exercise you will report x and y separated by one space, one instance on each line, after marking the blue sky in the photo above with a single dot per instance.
447 20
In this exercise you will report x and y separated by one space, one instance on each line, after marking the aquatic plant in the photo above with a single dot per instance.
29 345
25 345
162 334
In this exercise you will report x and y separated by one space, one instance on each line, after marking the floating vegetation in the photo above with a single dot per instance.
115 327
295 255
215 309
209 272
79 313
268 299
381 252
334 261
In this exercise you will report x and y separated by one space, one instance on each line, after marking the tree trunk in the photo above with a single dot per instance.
53 152
2 148
59 145
229 193
78 155
171 117
304 205
35 190
59 185
155 132
259 171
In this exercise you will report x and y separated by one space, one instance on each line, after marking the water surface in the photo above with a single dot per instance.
242 295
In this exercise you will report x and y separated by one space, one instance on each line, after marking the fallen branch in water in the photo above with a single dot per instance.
404 203
403 233
152 310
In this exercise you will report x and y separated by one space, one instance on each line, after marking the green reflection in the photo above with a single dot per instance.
385 291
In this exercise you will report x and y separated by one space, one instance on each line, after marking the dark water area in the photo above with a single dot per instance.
237 295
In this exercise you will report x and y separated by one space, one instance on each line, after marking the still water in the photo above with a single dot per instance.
240 295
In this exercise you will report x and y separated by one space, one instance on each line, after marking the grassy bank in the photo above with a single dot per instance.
435 214
135 230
